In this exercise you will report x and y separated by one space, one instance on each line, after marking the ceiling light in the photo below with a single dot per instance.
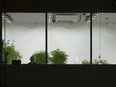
88 21
97 14
93 18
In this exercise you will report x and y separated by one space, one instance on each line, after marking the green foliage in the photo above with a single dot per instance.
13 54
58 57
100 61
85 61
40 57
96 61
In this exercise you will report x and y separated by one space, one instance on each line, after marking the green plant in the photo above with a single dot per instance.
58 57
96 61
10 52
40 57
85 61
100 61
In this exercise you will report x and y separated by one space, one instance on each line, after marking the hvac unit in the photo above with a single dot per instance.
66 17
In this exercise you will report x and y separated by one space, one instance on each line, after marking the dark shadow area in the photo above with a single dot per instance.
58 6
60 75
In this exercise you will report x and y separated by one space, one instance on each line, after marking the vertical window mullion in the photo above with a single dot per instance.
46 37
91 38
1 40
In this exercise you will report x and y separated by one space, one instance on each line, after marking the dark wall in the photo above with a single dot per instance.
2 75
59 76
1 43
58 5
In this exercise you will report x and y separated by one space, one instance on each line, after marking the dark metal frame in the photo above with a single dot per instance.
90 38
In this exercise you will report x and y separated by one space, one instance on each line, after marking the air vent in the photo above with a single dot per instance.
63 17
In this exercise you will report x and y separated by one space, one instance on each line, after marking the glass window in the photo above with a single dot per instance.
104 41
24 36
69 38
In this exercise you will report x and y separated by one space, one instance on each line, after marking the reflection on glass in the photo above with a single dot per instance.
69 38
25 36
104 41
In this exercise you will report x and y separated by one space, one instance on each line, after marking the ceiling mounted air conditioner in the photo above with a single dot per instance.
63 17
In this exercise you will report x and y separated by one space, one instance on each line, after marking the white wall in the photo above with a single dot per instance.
108 41
74 39
28 38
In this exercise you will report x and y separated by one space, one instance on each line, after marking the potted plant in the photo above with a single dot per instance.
96 61
85 61
58 57
100 61
9 53
40 57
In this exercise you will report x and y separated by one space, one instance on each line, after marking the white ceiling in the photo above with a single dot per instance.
106 17
40 17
